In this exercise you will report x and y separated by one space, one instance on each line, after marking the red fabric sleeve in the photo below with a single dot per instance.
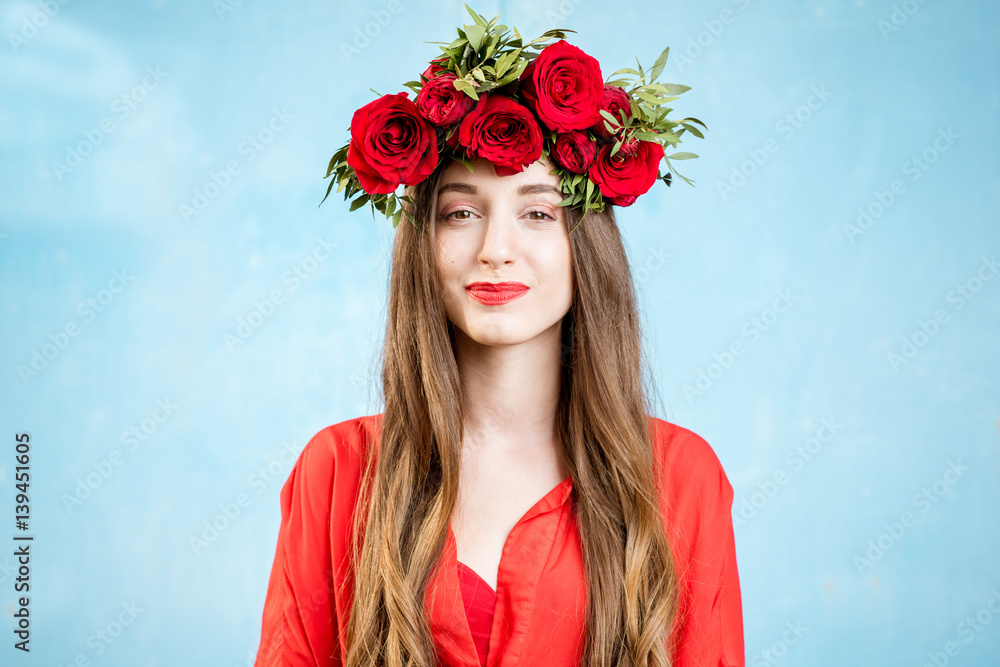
699 500
299 621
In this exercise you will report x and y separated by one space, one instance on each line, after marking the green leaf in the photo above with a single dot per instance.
675 88
693 130
607 114
682 156
467 163
475 34
505 61
491 47
359 202
513 76
469 89
658 65
694 120
475 17
330 187
625 71
653 99
409 216
647 136
484 87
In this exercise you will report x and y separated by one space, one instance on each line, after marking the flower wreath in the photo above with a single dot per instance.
605 141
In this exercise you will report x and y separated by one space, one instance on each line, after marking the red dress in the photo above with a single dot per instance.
538 616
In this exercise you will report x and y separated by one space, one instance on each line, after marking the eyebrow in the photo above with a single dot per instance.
530 189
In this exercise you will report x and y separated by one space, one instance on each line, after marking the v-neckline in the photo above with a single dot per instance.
555 496
552 498
448 619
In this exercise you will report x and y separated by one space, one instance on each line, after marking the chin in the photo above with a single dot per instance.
496 336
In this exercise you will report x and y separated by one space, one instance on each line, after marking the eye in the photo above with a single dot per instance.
461 210
544 213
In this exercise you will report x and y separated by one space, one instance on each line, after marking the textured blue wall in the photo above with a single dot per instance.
842 240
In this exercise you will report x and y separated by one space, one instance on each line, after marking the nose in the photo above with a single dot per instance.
499 241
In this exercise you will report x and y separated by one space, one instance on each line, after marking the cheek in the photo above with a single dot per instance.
444 256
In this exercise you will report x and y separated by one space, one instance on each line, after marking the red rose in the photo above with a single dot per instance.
503 132
441 103
437 65
391 143
575 151
613 100
623 178
564 86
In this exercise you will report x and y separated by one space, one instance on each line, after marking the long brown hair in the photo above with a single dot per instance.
411 486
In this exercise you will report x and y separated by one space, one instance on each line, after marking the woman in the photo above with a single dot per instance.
514 503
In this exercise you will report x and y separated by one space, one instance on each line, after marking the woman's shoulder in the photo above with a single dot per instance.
342 443
692 473
335 452
683 449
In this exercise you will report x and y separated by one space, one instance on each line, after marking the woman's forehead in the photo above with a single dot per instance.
483 173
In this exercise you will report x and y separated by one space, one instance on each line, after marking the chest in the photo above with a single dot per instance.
490 504
540 592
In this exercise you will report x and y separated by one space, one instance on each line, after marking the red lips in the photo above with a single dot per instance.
494 294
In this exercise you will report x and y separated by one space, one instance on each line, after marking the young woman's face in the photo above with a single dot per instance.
509 230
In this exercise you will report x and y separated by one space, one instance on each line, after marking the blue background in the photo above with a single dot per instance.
815 109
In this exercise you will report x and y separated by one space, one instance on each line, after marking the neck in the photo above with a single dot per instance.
510 393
